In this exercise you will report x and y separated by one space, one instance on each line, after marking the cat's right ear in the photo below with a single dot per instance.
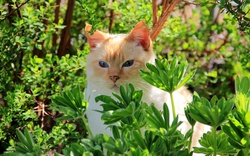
141 35
94 39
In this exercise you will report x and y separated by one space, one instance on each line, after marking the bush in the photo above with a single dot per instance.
144 130
43 48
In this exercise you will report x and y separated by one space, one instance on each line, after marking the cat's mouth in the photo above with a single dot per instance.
115 87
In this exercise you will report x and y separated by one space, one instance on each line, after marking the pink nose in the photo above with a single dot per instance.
114 78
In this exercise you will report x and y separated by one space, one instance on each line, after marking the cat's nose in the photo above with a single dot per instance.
114 78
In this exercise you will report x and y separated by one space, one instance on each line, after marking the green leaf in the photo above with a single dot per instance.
189 118
247 118
166 115
21 148
237 83
222 145
22 138
244 85
154 117
166 77
185 79
152 68
115 132
139 140
29 138
38 60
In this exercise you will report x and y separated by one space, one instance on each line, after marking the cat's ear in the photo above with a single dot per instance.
94 39
141 35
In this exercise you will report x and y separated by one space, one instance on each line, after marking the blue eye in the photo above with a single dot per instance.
128 63
103 64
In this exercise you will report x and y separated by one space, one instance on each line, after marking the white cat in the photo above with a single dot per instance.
115 60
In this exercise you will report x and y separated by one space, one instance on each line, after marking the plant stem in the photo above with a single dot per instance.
215 140
172 102
87 126
190 140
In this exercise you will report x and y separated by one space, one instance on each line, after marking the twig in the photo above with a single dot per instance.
111 17
14 10
64 43
165 6
159 25
154 12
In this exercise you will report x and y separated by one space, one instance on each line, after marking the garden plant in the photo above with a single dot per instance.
203 44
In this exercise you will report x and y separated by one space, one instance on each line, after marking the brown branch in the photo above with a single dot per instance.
57 9
64 43
155 30
165 6
111 17
13 10
154 12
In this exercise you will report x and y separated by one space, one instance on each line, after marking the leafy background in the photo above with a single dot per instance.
43 49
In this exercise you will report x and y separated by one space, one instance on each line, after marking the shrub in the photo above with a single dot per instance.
43 48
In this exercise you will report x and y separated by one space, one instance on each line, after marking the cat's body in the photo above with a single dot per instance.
115 60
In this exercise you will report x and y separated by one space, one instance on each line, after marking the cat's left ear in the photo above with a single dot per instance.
94 39
141 35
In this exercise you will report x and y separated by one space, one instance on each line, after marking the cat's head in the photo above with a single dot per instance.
115 60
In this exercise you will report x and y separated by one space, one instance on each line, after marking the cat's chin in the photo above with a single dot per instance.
115 88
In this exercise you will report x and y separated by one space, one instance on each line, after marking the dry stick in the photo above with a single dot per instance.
158 26
154 12
66 31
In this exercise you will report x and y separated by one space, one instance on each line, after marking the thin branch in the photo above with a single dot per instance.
64 43
14 10
111 17
165 6
155 31
154 12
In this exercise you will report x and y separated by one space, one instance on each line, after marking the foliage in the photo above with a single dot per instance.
132 116
212 113
167 76
239 121
27 145
141 129
27 104
239 10
210 42
71 104
212 36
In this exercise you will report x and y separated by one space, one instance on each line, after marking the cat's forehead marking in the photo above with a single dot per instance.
113 48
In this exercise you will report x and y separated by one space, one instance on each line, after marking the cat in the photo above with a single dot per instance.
114 60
